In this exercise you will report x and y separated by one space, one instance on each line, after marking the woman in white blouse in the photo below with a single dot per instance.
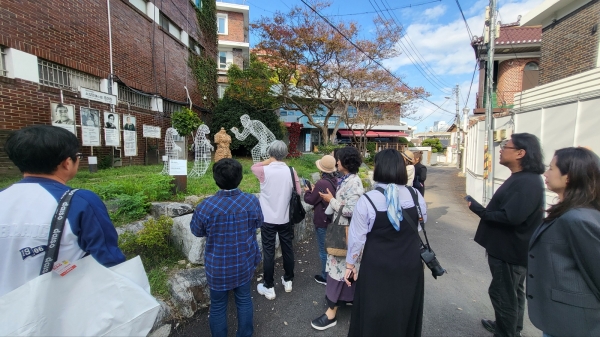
388 299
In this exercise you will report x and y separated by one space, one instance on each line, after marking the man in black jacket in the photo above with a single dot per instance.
506 225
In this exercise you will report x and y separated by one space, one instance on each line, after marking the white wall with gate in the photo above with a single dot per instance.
561 114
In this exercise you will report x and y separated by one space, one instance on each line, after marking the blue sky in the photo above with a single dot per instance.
436 38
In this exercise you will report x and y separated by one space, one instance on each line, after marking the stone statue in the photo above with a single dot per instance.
259 130
171 149
223 141
203 148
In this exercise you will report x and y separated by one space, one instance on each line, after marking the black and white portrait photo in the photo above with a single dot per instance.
111 120
128 123
63 115
90 117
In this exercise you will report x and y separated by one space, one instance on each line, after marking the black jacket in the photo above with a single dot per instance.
511 217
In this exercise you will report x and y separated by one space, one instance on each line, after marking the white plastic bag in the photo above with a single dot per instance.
91 300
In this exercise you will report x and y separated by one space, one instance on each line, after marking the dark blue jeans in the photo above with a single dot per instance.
322 252
218 312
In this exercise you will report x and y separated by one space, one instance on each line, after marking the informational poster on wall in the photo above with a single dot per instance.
150 131
63 116
129 136
111 129
90 126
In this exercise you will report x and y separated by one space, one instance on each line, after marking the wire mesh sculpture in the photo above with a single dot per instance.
223 140
171 149
203 148
257 129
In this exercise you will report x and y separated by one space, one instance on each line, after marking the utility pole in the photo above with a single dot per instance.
489 113
465 127
457 123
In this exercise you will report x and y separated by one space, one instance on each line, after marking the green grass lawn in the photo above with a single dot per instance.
131 180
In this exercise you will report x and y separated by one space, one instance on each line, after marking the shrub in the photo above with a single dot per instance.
130 207
152 243
327 149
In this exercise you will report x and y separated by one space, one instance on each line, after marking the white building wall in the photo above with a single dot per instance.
570 120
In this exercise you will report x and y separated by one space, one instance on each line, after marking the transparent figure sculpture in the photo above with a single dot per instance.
171 149
203 148
257 129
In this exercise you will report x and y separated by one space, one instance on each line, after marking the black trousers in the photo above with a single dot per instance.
268 233
507 293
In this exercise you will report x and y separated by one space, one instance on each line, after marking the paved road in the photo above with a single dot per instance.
454 303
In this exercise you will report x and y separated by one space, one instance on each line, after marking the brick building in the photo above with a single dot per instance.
570 37
516 65
51 49
234 46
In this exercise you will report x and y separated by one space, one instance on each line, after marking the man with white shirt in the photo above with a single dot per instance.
48 157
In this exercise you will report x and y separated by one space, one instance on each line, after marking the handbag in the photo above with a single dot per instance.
93 300
297 211
336 237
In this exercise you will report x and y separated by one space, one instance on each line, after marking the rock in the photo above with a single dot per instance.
163 331
170 209
133 227
191 246
164 315
189 291
193 200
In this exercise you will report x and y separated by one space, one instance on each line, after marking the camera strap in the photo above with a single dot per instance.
413 193
56 230
405 215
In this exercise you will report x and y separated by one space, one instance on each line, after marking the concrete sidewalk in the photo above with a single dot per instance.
455 303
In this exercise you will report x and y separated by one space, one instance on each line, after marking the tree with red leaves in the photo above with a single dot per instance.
294 137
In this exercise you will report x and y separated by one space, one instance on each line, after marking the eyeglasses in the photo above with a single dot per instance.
79 155
509 147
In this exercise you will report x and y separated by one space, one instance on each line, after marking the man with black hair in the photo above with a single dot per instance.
507 224
48 157
110 124
229 220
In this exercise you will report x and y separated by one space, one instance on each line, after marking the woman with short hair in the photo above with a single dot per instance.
349 189
563 282
390 282
276 186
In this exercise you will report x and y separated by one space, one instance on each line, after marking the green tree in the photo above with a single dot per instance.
186 122
436 145
403 140
227 114
253 85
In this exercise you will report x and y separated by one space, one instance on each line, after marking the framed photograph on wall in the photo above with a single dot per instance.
63 116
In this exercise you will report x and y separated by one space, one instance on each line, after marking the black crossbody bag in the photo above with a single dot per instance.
56 230
297 212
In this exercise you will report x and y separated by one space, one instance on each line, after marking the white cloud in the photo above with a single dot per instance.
434 12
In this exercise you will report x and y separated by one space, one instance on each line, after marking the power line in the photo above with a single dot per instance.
471 86
438 107
407 6
369 56
412 46
465 20
406 51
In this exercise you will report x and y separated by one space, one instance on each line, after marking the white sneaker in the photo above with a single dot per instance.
287 285
268 292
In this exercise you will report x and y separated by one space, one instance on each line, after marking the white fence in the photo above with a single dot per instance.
561 114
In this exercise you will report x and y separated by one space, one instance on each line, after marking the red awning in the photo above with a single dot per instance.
373 134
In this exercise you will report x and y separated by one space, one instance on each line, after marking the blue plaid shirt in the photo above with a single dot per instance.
229 220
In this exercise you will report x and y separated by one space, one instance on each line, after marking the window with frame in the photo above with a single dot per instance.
222 24
377 112
139 4
2 62
352 111
58 76
198 3
171 107
134 97
224 60
169 26
195 47
221 90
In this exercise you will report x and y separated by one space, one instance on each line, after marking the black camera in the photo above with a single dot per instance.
428 256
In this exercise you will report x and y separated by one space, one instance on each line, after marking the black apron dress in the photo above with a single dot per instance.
389 291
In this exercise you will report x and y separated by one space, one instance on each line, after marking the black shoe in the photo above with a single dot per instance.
323 323
320 279
489 325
